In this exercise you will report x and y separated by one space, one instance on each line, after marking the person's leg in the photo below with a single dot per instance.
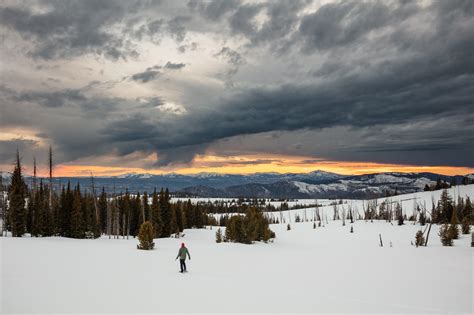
182 265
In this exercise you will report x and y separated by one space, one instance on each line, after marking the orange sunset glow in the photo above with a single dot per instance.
250 164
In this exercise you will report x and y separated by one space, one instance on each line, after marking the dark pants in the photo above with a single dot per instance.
182 264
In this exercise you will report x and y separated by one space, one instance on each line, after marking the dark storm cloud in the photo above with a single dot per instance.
216 9
341 24
174 66
148 75
377 69
71 28
152 73
45 99
8 147
242 21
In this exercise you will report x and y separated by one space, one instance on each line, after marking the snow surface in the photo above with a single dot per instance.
305 270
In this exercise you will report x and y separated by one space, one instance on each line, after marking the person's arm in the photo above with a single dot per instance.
187 251
177 255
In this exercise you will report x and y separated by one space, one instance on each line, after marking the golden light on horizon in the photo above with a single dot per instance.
247 164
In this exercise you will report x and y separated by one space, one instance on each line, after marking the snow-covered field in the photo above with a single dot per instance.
304 270
325 269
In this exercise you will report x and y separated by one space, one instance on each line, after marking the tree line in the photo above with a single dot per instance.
78 213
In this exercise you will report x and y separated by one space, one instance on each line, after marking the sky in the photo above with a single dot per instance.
237 86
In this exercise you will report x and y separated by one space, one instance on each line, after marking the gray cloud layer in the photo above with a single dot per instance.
396 78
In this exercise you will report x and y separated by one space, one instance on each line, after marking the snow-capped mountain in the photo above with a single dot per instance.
317 184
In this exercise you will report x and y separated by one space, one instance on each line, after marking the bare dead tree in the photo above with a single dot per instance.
123 226
2 206
97 219
336 213
351 214
50 179
343 215
34 173
109 218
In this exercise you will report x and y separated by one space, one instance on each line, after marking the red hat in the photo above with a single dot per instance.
182 244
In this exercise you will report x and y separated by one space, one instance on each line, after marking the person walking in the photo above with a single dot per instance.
183 251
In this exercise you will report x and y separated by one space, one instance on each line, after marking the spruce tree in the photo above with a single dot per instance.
156 215
77 216
47 215
16 195
419 239
445 206
399 211
102 205
453 228
179 217
219 236
165 213
173 227
188 210
445 235
146 207
468 211
145 236
465 226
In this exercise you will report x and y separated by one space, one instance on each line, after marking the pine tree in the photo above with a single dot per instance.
146 207
188 210
419 239
179 217
30 212
102 205
453 228
465 226
445 206
156 215
16 195
445 235
165 213
135 210
173 221
145 236
198 217
77 216
47 220
399 211
219 236
468 211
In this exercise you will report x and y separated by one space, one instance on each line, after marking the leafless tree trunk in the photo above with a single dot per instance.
34 174
50 179
428 235
123 226
2 206
97 219
343 215
109 218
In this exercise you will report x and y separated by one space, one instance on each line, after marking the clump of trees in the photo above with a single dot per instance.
441 184
248 228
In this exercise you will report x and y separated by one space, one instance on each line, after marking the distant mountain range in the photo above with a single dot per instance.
317 184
